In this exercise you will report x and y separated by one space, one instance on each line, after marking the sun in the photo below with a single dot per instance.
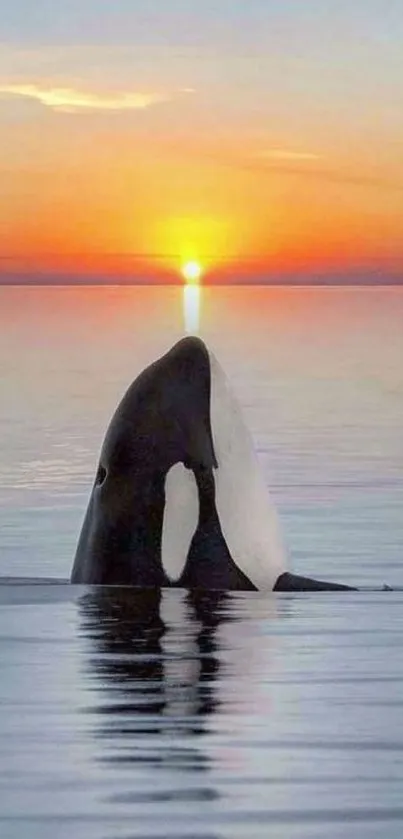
192 272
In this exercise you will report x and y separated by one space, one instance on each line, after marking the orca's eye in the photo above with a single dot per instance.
101 475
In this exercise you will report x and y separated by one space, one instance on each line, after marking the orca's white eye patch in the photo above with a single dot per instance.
181 517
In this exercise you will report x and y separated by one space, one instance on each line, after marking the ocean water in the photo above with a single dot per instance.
126 714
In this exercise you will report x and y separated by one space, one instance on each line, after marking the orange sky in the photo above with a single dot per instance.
275 151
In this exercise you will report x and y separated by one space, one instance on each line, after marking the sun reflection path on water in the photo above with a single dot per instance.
191 308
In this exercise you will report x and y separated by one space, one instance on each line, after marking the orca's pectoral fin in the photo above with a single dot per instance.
293 582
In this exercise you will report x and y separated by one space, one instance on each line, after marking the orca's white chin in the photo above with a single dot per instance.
246 513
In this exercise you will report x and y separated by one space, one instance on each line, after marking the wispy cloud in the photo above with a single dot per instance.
71 100
287 155
322 169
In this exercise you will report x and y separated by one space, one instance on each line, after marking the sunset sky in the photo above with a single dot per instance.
263 139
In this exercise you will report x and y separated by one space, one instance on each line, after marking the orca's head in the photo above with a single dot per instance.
178 497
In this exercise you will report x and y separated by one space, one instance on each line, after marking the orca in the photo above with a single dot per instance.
178 497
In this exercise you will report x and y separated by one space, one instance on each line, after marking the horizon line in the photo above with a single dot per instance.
331 282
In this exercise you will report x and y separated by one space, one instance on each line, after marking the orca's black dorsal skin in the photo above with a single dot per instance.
178 499
292 582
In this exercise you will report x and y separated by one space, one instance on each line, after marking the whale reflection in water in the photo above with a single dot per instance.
153 661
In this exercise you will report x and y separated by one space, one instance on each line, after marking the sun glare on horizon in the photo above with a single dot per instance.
191 307
192 272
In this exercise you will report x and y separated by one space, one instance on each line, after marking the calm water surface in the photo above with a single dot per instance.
139 714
